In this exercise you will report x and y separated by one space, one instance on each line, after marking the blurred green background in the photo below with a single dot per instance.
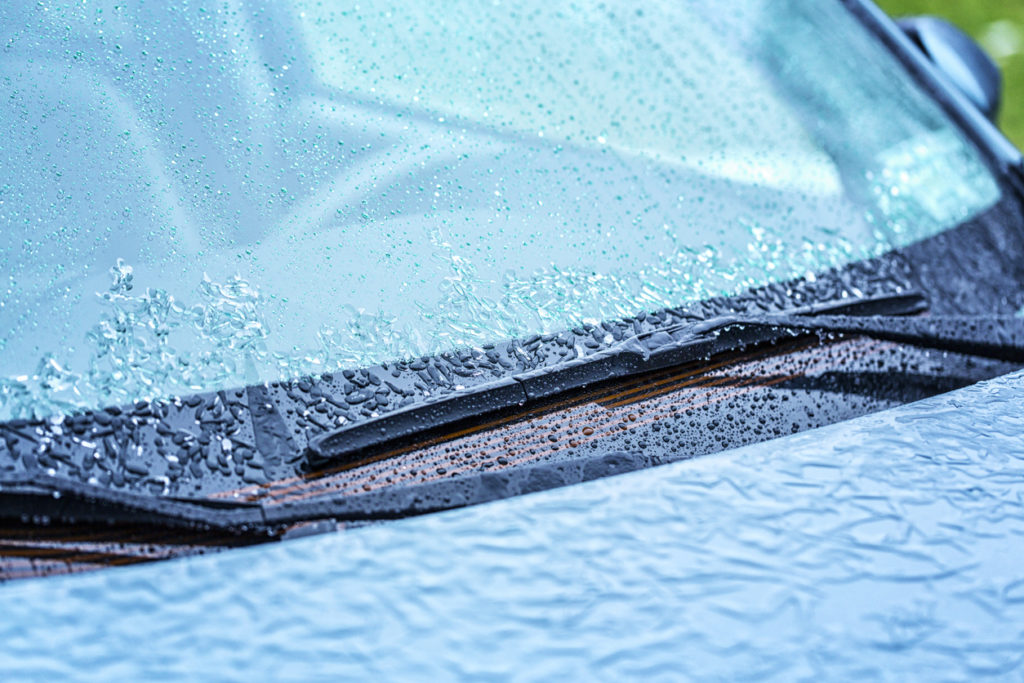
999 26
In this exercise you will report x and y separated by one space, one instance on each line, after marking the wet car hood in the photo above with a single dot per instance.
881 546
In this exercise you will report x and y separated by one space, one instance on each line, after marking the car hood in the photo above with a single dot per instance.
881 546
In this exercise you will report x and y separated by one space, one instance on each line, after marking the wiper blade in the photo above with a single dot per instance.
675 345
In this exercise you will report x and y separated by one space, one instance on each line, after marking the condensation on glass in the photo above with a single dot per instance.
204 194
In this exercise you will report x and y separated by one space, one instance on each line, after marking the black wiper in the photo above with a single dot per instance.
670 346
995 337
42 497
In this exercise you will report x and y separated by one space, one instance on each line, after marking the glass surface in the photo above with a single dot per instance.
884 548
206 194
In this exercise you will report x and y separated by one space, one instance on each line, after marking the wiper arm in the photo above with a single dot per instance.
45 497
995 337
998 337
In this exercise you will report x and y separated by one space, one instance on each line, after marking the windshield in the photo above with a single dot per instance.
208 194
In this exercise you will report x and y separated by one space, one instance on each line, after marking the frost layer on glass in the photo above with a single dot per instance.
203 194
884 548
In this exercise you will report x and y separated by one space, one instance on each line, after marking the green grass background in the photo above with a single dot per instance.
999 26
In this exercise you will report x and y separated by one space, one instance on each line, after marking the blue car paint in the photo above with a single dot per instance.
885 547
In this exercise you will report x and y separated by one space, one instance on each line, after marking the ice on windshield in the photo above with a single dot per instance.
208 194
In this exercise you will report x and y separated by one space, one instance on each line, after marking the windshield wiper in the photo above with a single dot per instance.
885 318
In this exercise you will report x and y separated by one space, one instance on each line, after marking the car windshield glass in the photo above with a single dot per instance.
197 195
